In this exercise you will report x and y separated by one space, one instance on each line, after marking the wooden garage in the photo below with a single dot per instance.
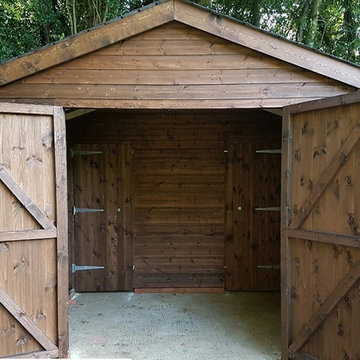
149 151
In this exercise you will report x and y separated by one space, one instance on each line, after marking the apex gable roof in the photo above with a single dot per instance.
160 13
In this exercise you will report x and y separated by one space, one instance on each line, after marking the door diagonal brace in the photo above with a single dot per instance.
14 309
328 175
25 200
340 291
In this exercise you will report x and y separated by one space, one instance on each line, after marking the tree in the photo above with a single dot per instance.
332 26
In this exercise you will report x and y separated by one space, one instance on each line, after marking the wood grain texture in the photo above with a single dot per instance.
86 42
323 289
14 309
103 181
29 271
62 230
184 13
252 237
266 43
179 179
152 69
25 200
27 235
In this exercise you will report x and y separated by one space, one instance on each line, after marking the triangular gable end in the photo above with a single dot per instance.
171 66
189 14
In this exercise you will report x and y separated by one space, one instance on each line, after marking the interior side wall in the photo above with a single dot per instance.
179 185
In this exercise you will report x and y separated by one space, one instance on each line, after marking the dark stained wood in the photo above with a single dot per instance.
152 70
321 258
329 304
276 47
334 167
86 42
112 34
179 180
103 181
286 158
252 237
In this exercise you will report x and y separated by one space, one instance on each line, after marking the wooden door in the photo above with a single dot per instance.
33 232
252 224
320 230
102 216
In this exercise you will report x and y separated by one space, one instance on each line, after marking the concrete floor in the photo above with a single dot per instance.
228 326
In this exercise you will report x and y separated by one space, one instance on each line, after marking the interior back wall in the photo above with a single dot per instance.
179 185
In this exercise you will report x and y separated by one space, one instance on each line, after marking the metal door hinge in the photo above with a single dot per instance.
77 210
74 152
76 268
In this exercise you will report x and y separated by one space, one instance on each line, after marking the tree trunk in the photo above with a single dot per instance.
255 13
350 29
302 21
313 22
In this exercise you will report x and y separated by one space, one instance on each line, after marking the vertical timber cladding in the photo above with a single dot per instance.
103 183
321 237
252 221
33 227
179 186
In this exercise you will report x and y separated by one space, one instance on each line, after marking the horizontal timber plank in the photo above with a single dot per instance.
188 62
181 92
86 42
178 290
185 261
27 235
173 280
175 31
26 109
164 104
266 43
301 356
190 182
178 215
346 99
178 270
52 354
170 251
167 47
328 238
173 77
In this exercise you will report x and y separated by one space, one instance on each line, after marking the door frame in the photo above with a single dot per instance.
286 211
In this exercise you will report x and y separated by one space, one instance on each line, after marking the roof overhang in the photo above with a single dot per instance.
198 17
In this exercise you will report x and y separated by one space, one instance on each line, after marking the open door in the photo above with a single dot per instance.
33 232
321 230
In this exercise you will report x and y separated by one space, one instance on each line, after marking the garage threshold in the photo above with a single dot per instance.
231 325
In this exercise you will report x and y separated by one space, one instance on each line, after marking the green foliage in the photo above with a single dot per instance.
332 26
28 24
